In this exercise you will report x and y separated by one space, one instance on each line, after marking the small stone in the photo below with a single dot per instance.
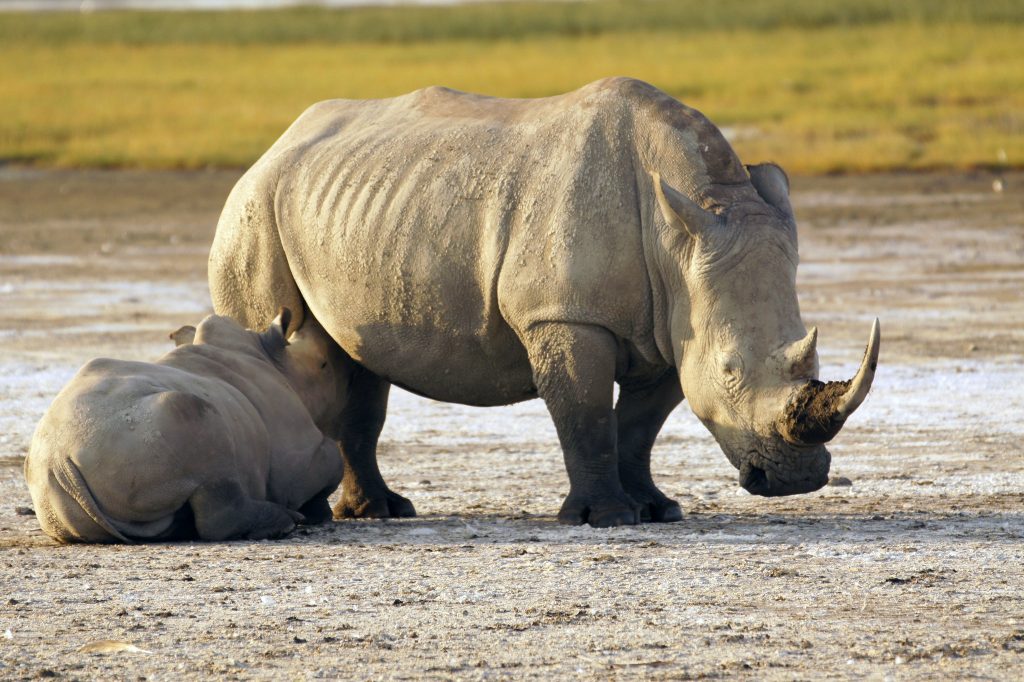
268 601
24 511
837 481
997 185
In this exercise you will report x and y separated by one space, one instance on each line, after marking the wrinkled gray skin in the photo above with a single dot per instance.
213 441
486 251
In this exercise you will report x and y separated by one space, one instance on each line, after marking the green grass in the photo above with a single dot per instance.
819 87
508 20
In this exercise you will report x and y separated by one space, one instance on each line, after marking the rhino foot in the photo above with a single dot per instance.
275 524
655 506
391 505
667 511
606 513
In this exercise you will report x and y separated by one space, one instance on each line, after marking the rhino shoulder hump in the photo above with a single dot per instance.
107 366
625 86
183 407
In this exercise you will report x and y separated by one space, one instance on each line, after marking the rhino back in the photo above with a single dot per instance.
428 231
257 392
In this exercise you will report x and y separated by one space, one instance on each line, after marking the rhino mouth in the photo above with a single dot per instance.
754 480
807 472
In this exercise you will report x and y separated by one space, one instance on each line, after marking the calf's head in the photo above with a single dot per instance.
304 356
308 360
747 364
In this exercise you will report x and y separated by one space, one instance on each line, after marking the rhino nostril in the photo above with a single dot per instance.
754 479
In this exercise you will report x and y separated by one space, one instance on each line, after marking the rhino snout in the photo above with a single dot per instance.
761 478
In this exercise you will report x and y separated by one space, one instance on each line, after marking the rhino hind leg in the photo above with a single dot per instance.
640 414
364 494
574 369
248 273
223 511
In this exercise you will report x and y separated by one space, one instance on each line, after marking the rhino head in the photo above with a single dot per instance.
747 364
304 356
310 362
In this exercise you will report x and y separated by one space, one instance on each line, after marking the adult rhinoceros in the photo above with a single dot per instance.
487 251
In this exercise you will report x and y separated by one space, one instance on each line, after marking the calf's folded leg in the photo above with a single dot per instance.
223 511
317 510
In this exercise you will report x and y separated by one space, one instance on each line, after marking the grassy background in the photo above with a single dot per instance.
819 87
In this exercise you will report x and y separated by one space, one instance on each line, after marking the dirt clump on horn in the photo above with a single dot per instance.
818 411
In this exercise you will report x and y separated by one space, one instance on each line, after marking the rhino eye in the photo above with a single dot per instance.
732 369
323 364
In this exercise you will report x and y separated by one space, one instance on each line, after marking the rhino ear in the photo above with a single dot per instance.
772 184
679 210
273 339
183 336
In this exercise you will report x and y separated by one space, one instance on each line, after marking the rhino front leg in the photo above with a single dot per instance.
641 411
223 511
364 494
574 369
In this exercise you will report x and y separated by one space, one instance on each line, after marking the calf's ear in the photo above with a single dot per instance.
273 339
772 184
183 336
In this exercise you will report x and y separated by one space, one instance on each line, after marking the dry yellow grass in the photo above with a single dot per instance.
817 100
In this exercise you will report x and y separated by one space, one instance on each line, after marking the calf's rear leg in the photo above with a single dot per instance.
223 511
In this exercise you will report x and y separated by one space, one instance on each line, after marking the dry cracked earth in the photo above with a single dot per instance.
910 565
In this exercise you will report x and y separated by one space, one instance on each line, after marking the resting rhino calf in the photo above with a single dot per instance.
486 251
215 440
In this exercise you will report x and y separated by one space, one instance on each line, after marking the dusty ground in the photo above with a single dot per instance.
915 571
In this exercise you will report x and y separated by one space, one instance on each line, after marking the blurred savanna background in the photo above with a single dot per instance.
820 87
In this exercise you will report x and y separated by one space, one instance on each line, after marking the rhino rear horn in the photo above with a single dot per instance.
801 357
679 210
183 336
772 183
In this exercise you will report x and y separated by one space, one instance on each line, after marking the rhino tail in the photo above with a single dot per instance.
75 525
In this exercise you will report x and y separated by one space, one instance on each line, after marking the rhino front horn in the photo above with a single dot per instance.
818 411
